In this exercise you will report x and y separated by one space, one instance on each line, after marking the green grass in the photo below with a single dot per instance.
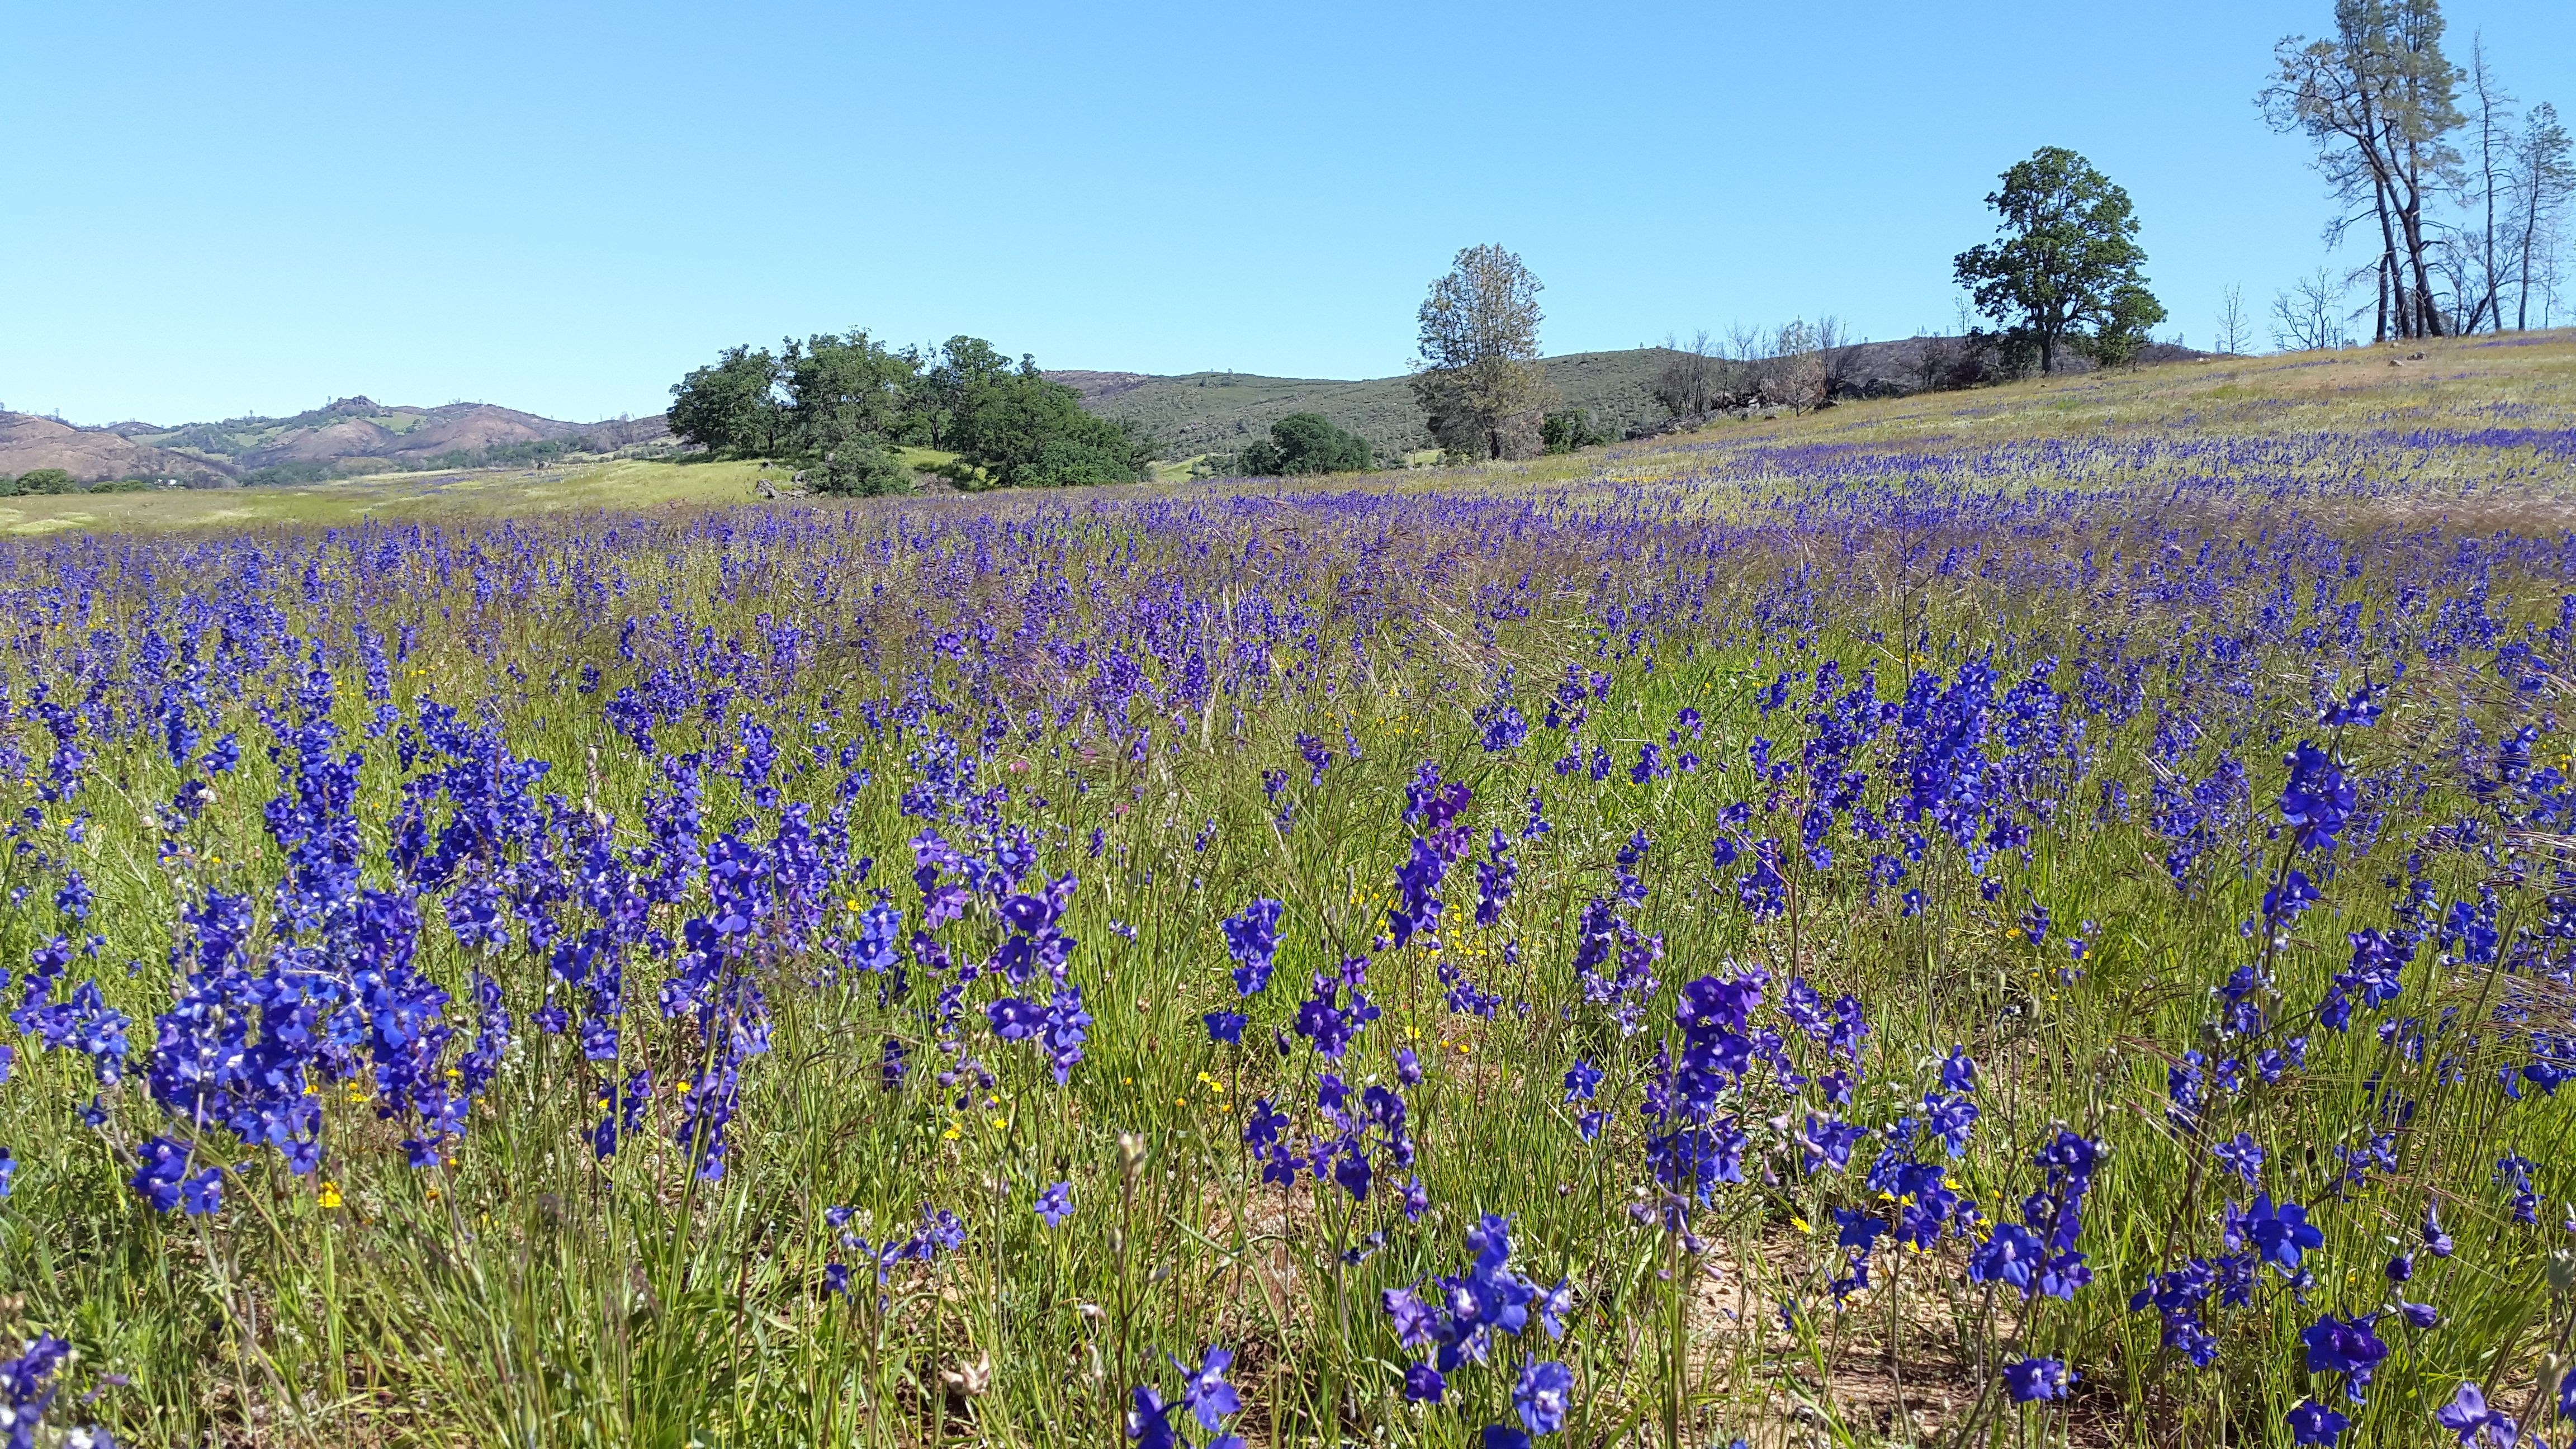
2462 383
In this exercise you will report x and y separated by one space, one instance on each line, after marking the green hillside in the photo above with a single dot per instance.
1205 412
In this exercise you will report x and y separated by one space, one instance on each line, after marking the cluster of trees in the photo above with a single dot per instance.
839 405
511 455
1800 366
38 482
2461 199
1303 443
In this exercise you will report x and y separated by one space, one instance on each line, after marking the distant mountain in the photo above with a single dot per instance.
351 430
29 442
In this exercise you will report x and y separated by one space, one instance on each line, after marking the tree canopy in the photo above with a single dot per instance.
2063 270
841 402
38 481
1306 443
1477 376
1027 432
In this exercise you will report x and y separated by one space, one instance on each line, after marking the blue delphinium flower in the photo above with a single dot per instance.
2278 1236
26 1393
1949 1118
2468 1416
163 1165
2436 1242
2240 1155
1055 1204
2313 1423
2318 800
2037 1379
2348 1346
1541 1396
1205 1394
1149 1420
2010 1254
1958 1072
2362 708
2180 1296
1252 939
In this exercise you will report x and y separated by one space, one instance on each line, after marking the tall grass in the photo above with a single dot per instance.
1140 689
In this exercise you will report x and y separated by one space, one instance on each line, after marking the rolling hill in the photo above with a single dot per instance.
354 430
1204 412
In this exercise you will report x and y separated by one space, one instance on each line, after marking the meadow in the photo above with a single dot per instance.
2044 915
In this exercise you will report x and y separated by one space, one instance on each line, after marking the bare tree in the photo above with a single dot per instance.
2309 316
1798 367
2494 111
2232 333
1478 375
1691 380
1841 351
2543 180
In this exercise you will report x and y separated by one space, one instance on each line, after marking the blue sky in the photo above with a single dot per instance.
225 209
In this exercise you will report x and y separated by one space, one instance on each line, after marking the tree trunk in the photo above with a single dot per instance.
2530 235
2410 227
2390 289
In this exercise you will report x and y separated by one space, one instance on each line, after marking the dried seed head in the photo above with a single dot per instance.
969 1380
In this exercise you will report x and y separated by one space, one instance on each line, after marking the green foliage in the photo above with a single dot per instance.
845 396
731 406
39 481
967 371
2064 268
509 455
121 485
860 468
1027 432
837 403
1563 432
303 470
1306 443
1478 377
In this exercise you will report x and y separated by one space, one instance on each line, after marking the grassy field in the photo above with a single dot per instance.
388 497
2035 916
2480 383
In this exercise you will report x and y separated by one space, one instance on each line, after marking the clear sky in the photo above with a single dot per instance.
219 209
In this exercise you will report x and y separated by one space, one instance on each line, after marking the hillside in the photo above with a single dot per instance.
1204 412
29 442
350 430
